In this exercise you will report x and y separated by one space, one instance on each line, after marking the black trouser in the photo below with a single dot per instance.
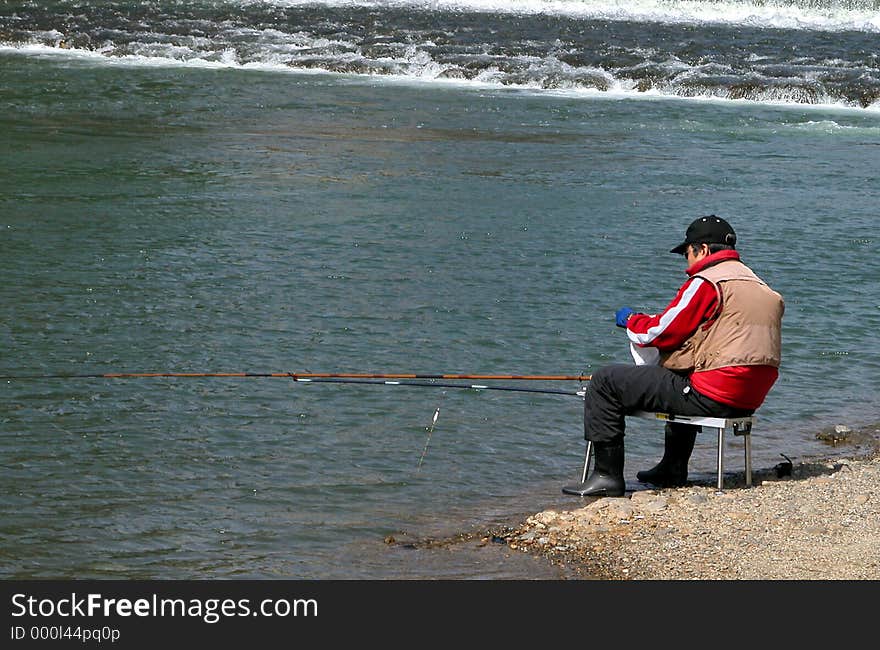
619 390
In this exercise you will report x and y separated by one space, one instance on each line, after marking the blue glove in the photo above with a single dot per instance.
621 315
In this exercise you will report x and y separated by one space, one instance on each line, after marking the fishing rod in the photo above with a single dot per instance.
376 379
433 384
300 376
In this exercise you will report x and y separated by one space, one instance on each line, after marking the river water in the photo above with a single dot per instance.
381 187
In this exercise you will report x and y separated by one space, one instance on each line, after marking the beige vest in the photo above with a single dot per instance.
748 327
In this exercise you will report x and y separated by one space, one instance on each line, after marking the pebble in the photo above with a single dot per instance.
820 523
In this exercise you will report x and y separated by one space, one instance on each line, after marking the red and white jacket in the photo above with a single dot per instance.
697 302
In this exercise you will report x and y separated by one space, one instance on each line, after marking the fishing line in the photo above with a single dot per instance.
428 440
385 379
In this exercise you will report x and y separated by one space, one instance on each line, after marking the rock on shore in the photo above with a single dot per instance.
820 523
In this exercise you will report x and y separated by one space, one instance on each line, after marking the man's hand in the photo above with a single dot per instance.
622 315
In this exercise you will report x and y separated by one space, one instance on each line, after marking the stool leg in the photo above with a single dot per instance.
720 458
587 460
747 439
579 489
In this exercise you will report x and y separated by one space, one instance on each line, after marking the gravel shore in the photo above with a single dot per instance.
821 522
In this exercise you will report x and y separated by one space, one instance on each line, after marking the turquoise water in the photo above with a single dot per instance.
190 218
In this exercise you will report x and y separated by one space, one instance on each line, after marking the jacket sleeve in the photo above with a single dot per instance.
695 303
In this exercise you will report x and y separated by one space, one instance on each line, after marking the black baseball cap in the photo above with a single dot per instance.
707 230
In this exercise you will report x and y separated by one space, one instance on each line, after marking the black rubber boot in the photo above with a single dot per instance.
606 479
672 470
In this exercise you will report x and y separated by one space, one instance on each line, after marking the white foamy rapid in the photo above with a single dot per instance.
826 15
482 43
419 72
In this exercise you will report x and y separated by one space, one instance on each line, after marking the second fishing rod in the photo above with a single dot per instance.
418 380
